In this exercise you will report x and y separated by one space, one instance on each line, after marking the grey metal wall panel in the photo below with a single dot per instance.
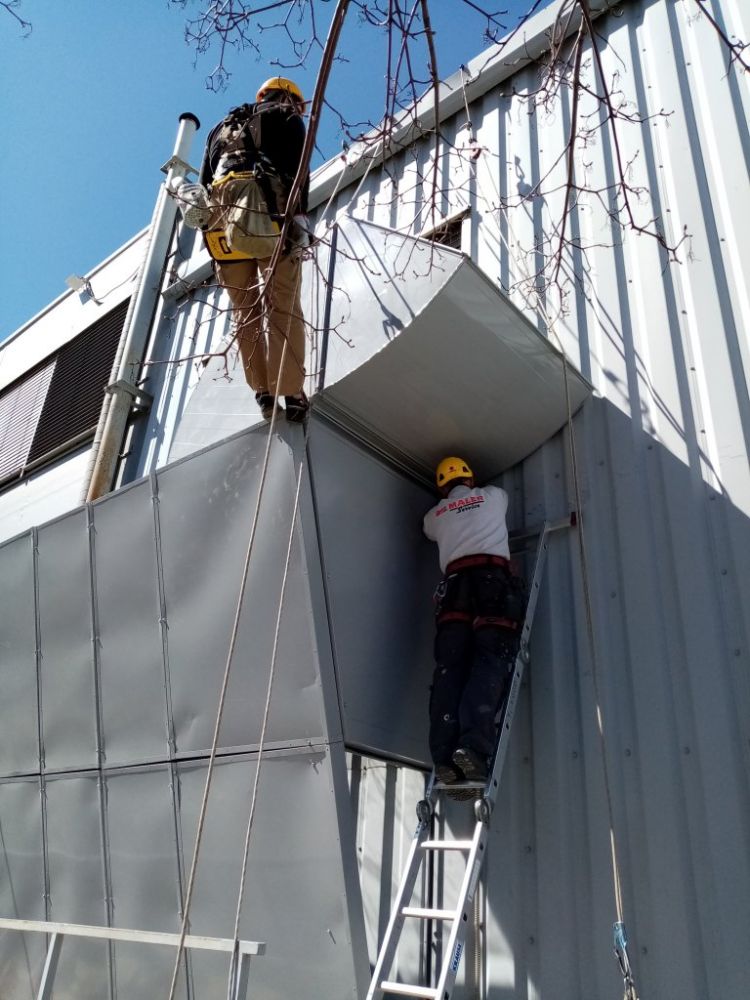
132 674
383 799
19 721
67 673
77 884
216 493
380 575
21 887
77 888
144 855
297 907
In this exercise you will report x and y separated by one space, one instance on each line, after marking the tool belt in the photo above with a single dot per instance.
468 562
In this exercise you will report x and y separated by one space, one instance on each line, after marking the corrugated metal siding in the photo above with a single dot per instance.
666 499
192 327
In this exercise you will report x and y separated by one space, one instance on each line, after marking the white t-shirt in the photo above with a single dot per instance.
469 522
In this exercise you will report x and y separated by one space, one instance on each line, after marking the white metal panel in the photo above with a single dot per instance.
48 493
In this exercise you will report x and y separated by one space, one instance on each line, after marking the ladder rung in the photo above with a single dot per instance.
458 786
426 913
447 845
404 990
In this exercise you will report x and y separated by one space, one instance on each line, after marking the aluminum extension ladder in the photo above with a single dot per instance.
475 849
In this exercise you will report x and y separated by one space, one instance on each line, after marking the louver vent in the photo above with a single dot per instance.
20 407
75 395
60 400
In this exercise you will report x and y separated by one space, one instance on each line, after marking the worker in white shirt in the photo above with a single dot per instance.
478 616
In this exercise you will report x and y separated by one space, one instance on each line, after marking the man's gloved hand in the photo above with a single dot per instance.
193 202
300 232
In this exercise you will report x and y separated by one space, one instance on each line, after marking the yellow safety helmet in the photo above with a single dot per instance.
279 83
452 468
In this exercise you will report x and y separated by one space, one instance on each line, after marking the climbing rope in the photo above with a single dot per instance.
266 711
619 932
222 700
225 678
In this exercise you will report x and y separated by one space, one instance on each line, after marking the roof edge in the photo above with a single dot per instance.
66 294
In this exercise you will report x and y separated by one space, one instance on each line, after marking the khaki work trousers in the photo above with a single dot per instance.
266 314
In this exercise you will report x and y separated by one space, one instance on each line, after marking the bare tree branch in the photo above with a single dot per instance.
736 49
11 6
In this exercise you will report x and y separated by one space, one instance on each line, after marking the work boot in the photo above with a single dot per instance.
473 764
449 774
267 404
296 407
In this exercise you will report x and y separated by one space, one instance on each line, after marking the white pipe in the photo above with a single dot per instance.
133 936
122 389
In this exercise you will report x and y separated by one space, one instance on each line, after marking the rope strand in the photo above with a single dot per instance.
620 940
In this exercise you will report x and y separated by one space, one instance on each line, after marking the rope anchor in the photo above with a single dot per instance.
621 952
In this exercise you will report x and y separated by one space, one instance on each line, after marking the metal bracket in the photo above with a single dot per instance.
142 400
177 161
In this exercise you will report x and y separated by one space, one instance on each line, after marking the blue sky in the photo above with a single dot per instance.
90 105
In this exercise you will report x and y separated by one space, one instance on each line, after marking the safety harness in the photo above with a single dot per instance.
458 614
258 209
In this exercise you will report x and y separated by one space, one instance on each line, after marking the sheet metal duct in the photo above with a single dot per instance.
453 366
414 350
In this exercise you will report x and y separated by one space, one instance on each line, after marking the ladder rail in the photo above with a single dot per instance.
397 918
456 938
522 658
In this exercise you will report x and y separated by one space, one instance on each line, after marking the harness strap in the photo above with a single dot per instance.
454 616
231 176
467 562
490 621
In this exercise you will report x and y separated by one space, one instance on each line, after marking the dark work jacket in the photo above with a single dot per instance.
282 138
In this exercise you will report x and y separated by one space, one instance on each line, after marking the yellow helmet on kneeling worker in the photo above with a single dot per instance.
280 83
452 468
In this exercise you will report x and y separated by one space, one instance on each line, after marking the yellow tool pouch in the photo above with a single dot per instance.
241 213
218 247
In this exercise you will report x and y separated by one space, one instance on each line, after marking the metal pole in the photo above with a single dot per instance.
50 967
123 388
327 309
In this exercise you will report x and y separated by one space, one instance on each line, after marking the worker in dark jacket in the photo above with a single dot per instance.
479 607
264 142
